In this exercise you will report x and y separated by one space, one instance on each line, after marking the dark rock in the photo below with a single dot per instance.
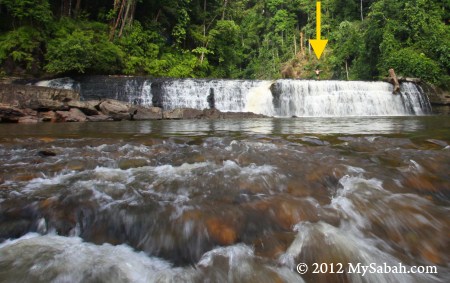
46 153
142 113
183 113
14 228
10 114
211 99
115 109
73 115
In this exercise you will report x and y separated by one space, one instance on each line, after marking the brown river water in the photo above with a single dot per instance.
226 200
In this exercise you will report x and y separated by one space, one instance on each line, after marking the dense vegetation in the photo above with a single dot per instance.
225 38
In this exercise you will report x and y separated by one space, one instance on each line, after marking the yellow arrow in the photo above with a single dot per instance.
318 44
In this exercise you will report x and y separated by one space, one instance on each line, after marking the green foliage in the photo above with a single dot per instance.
77 47
230 39
347 45
409 62
140 47
22 47
33 11
225 45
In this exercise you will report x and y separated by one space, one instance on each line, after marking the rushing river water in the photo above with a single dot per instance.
225 200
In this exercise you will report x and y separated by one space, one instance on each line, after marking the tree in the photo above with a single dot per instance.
82 47
225 45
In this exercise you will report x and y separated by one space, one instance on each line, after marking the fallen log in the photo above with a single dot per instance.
394 81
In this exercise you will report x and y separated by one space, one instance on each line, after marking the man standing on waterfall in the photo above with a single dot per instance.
317 71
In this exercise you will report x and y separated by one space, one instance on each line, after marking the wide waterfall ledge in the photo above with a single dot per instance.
279 98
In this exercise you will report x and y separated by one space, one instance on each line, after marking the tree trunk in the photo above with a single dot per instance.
394 81
66 6
157 16
346 68
77 8
302 48
224 9
125 18
118 19
362 17
295 45
202 57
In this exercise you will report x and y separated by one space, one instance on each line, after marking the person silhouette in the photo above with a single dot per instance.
317 71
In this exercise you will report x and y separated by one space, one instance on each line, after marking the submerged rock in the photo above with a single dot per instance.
125 164
99 118
46 153
190 113
183 113
223 233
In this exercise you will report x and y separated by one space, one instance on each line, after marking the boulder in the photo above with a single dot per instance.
49 116
115 109
10 114
87 107
142 113
183 113
28 120
73 115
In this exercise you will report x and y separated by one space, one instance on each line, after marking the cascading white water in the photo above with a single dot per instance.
281 98
260 99
229 95
342 98
61 83
146 94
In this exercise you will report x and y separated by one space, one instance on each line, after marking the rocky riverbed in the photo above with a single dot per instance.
33 104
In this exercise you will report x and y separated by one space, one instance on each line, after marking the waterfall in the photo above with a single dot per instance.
61 83
281 98
146 94
260 99
346 98
229 95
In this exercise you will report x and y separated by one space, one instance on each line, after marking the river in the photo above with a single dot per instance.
225 200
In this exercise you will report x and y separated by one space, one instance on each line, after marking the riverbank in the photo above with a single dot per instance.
33 104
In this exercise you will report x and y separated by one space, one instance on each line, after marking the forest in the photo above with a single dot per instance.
248 39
